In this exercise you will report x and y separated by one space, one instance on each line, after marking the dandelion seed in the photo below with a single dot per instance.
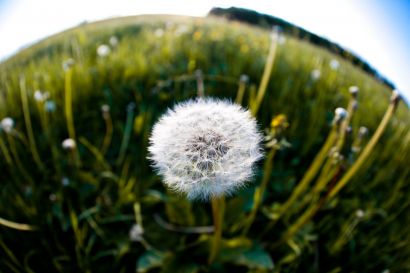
113 41
52 197
67 64
159 32
334 64
205 147
315 74
103 50
136 233
7 124
68 144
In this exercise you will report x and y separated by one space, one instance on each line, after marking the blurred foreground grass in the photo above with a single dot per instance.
98 206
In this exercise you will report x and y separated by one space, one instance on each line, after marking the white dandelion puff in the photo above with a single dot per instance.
7 124
103 50
205 147
68 144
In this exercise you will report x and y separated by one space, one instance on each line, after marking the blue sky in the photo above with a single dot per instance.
376 30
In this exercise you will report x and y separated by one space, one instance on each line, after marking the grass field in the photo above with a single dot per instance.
71 208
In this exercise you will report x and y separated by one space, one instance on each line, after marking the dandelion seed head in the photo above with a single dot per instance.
205 147
7 124
103 50
68 144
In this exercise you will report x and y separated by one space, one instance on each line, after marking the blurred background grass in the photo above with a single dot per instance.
84 202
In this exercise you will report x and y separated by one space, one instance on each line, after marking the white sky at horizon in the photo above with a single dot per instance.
369 28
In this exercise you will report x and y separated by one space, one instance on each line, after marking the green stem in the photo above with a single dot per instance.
366 151
108 134
17 226
68 103
259 191
5 152
266 75
218 208
241 92
29 127
309 213
311 172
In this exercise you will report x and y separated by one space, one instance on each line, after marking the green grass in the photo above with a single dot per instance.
83 202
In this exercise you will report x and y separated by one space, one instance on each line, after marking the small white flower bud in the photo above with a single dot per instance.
244 78
395 97
340 113
363 131
68 144
136 233
334 64
7 124
113 41
359 213
103 50
354 90
315 74
67 64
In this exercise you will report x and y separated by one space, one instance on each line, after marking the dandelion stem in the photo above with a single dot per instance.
266 74
309 213
14 225
30 133
366 151
108 134
5 152
68 103
218 208
17 159
311 172
259 191
241 92
127 134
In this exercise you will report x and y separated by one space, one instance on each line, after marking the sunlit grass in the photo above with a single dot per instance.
301 208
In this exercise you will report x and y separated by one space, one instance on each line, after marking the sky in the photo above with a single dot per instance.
376 30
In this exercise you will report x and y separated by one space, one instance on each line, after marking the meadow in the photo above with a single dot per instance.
78 193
